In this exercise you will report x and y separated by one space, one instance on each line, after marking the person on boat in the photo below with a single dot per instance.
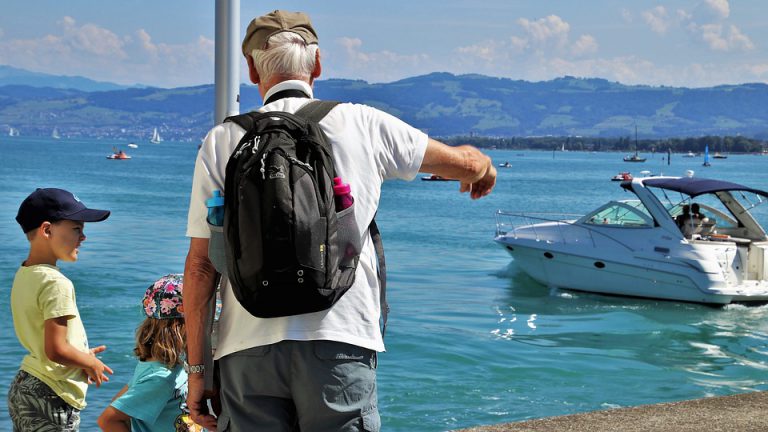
697 214
683 217
330 381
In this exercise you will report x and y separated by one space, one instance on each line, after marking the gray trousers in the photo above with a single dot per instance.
307 386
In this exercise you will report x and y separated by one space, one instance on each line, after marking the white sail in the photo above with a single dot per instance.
155 137
13 132
55 133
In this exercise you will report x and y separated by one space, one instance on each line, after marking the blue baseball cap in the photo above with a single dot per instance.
53 205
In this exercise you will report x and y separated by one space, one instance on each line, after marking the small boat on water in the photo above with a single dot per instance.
649 246
118 155
622 176
706 157
435 177
719 156
55 133
690 154
156 139
505 165
634 158
132 145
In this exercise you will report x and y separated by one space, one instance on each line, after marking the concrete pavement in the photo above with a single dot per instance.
737 413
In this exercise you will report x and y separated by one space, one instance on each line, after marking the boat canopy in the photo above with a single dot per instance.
694 186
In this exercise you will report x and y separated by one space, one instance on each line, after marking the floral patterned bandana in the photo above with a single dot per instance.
162 300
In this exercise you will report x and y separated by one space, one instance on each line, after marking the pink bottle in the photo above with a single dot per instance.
341 194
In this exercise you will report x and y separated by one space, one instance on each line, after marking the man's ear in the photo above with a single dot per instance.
253 74
318 67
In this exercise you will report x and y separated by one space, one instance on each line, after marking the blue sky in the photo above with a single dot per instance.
169 43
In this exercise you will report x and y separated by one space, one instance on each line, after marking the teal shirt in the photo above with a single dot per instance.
156 397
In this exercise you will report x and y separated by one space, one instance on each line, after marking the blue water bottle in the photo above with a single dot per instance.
215 206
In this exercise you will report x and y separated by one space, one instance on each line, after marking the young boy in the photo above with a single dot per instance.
49 390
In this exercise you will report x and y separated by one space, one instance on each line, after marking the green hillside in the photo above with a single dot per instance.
441 104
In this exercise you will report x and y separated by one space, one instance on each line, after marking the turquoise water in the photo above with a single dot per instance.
471 340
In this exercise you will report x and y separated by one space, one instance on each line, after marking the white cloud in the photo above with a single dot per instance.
378 66
627 15
719 8
483 52
631 70
707 23
91 39
551 30
547 37
658 19
99 53
585 44
724 38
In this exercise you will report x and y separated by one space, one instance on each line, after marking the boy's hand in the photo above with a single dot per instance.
96 368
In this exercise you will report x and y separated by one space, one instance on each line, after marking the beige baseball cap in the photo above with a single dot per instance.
263 27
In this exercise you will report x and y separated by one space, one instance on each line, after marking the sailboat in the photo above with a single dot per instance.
55 134
155 137
706 156
635 157
13 132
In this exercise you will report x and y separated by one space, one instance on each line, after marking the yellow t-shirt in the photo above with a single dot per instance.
40 292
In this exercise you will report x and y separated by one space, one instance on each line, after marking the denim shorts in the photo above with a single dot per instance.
311 386
35 407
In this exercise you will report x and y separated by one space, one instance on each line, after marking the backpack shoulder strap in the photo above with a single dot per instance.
315 110
245 120
382 273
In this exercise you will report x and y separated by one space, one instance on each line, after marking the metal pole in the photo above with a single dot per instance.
227 103
227 59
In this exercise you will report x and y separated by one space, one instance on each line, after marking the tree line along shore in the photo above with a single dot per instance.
721 144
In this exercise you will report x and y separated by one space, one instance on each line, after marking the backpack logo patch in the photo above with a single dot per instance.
276 172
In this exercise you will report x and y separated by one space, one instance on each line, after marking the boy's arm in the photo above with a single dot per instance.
58 350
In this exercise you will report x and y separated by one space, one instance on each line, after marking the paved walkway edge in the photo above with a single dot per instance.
742 412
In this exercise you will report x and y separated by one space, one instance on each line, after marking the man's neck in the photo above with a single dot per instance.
266 85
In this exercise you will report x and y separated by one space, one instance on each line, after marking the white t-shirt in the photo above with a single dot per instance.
369 146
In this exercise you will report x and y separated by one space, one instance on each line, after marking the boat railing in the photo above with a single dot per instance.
510 223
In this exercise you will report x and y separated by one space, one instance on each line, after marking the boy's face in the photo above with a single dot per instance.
65 237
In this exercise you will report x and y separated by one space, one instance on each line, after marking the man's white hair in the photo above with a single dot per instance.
287 56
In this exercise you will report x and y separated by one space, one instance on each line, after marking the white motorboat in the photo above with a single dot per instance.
643 247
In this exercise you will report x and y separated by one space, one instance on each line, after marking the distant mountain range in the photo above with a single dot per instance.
440 103
13 76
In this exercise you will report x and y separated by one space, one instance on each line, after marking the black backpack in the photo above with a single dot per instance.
288 251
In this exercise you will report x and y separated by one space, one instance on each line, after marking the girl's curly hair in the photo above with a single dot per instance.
162 340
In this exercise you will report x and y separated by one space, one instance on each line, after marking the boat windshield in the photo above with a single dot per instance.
623 214
710 205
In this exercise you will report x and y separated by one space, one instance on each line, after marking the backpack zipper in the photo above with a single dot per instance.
253 143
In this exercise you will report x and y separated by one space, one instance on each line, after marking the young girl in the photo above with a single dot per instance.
155 398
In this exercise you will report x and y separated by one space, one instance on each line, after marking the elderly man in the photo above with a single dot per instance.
313 371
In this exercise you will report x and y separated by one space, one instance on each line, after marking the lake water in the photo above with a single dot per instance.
471 340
